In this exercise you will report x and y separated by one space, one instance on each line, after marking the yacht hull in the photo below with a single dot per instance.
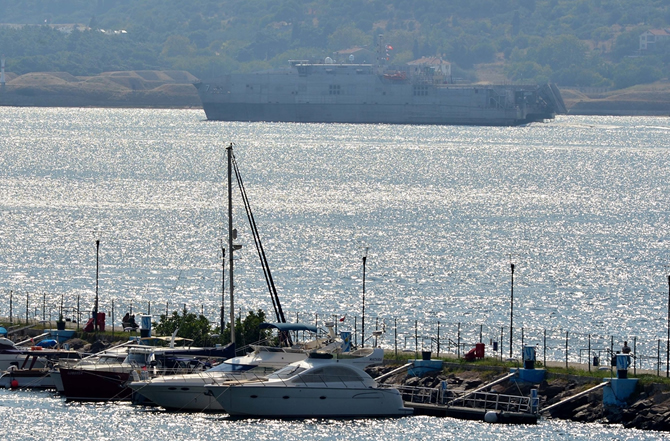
310 402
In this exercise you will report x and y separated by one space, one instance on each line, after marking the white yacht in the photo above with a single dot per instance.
315 387
188 393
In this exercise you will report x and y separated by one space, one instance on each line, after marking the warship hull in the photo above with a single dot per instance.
356 94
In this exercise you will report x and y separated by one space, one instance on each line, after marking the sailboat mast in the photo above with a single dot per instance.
230 242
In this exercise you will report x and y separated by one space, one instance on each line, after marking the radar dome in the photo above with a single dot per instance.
351 58
329 60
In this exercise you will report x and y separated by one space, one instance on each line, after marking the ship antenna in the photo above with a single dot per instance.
380 52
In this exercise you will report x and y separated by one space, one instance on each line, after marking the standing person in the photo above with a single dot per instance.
625 349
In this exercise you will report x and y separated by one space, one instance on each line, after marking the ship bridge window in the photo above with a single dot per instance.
334 89
420 90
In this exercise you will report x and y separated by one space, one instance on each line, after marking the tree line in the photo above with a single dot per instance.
570 42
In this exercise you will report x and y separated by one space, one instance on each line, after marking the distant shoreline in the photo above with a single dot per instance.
175 90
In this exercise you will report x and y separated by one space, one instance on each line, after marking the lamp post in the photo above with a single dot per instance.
365 257
511 311
223 287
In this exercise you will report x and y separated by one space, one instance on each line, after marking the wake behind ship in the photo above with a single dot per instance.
366 93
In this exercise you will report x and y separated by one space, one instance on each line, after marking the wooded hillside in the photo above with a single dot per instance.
587 43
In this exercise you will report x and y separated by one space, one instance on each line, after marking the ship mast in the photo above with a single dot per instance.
230 243
381 50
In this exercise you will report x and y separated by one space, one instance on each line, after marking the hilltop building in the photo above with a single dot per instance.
649 38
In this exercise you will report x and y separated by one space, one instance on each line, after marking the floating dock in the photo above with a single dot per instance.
465 413
474 405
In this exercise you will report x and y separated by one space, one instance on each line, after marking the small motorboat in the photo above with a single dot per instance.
14 354
316 387
27 376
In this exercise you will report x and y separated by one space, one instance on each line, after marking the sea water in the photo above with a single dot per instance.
579 205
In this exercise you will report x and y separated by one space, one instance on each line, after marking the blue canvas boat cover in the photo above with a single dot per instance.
284 327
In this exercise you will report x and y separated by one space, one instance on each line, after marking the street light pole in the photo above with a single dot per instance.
223 288
97 271
511 312
365 257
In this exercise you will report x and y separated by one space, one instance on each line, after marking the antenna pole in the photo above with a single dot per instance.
97 272
511 312
365 258
223 287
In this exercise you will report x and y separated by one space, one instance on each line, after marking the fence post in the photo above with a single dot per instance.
522 340
480 333
588 354
635 356
566 350
545 348
438 339
112 319
416 338
658 361
458 342
395 335
356 330
501 340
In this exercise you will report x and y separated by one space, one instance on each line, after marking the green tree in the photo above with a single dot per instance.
189 325
347 37
177 46
563 51
637 71
247 331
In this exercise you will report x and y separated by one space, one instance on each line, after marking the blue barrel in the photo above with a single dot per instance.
145 326
529 357
622 363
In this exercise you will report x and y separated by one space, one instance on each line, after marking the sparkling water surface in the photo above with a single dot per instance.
41 416
580 205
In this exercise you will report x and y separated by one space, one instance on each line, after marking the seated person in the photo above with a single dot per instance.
128 321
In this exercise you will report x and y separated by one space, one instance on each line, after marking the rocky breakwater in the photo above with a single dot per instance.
648 408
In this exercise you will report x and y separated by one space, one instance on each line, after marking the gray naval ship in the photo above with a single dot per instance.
373 93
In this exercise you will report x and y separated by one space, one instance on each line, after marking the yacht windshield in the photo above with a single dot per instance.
287 372
232 367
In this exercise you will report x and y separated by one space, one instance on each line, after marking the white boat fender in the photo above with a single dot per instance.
491 417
